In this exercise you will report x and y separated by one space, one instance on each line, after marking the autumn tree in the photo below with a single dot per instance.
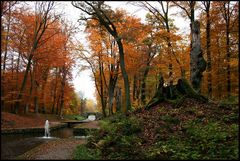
218 42
41 22
227 10
165 37
98 11
96 66
161 13
6 20
206 8
39 61
197 62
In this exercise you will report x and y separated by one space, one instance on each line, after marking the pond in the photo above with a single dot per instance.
13 145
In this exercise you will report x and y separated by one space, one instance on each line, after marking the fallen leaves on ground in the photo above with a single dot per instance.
9 120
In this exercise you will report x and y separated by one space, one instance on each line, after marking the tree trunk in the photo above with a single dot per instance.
55 91
208 39
169 49
45 77
36 101
143 85
197 62
228 61
26 108
82 106
138 89
113 76
181 90
134 87
125 76
17 104
118 98
62 90
103 101
4 60
110 27
58 102
111 89
158 97
219 84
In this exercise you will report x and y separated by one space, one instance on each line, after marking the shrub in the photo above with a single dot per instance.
84 153
118 137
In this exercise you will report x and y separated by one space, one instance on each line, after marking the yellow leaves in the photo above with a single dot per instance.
107 59
234 63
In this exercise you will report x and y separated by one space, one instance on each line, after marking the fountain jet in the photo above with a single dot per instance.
47 131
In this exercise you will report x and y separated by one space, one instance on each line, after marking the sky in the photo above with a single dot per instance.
83 81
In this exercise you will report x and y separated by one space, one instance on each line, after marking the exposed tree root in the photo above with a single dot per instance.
175 93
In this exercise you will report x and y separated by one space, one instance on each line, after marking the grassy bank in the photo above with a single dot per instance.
193 131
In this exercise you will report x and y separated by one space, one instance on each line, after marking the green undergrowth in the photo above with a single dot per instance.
231 100
193 131
75 117
198 141
84 153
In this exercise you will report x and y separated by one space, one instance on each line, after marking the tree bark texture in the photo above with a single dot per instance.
125 75
118 98
197 62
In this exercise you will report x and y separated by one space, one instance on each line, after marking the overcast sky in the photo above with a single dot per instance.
82 81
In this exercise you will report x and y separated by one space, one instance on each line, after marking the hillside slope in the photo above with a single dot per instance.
195 130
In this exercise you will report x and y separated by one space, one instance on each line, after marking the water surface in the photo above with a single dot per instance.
13 145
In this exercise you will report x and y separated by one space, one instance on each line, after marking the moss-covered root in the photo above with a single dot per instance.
182 90
184 87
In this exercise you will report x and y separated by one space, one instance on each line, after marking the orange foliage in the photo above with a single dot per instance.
53 52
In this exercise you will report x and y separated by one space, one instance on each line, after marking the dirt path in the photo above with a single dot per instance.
53 150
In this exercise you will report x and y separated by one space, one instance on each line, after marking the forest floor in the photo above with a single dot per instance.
53 150
194 130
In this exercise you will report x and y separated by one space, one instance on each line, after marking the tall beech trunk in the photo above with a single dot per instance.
219 83
19 97
102 93
143 85
36 103
26 108
55 91
63 81
150 55
113 76
125 76
134 87
118 98
197 62
43 96
112 84
228 60
111 88
208 44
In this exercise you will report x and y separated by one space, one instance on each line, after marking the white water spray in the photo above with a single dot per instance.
47 130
